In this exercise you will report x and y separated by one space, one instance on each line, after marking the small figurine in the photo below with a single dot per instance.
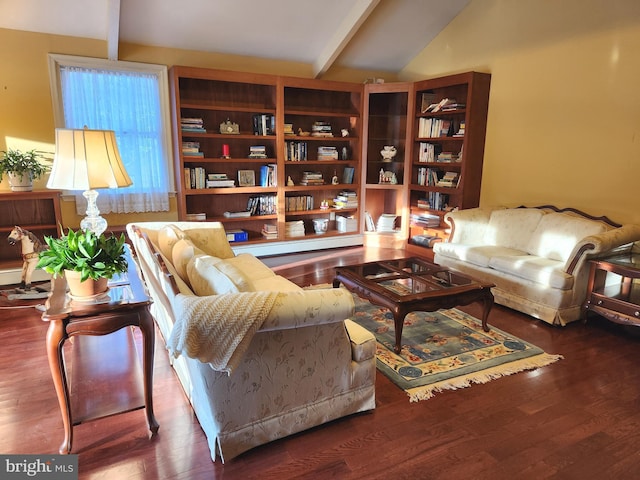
388 152
345 132
334 179
290 181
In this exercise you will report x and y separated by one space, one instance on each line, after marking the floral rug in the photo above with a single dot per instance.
445 350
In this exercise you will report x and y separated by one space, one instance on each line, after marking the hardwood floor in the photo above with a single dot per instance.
576 419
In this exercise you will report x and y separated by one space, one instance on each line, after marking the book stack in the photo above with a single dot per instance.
264 124
195 177
434 127
425 220
217 180
192 124
321 129
257 151
447 157
269 231
288 129
327 153
450 179
298 202
312 178
240 214
460 132
346 199
191 149
294 229
268 175
295 151
444 105
262 205
347 174
237 236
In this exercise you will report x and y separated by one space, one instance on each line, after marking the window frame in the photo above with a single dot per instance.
159 71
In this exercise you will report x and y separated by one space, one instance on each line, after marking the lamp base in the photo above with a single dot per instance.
93 221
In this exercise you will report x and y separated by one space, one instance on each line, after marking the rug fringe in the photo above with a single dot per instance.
484 376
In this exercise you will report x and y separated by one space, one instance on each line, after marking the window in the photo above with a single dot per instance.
131 99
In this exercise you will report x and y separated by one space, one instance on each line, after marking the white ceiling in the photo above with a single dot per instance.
365 34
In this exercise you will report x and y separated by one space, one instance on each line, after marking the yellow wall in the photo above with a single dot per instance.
564 111
26 112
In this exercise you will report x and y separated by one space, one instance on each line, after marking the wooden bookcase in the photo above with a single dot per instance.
37 211
388 109
289 120
455 145
216 96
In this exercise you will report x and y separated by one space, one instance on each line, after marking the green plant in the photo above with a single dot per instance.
18 162
94 256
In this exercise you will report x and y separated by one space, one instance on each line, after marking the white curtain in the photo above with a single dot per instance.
127 102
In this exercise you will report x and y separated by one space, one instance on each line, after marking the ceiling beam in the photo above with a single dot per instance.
351 22
113 29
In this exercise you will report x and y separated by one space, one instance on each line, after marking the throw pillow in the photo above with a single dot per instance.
183 251
168 235
212 241
206 278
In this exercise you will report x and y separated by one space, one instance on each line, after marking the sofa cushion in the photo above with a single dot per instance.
207 279
213 241
168 235
535 269
558 233
512 228
181 253
477 255
274 284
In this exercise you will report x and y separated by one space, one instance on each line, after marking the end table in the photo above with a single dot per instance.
125 305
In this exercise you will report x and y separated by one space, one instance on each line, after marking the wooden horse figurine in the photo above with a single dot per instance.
31 247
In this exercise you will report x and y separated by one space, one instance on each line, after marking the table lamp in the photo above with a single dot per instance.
85 160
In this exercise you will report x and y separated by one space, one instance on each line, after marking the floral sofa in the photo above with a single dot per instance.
536 257
258 357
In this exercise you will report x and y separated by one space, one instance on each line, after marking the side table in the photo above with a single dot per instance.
616 299
125 305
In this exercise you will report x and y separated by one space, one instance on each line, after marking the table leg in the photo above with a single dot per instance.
398 320
487 302
55 341
148 335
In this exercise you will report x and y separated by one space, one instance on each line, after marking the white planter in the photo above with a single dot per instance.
20 183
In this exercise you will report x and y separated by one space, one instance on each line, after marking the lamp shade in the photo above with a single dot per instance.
87 159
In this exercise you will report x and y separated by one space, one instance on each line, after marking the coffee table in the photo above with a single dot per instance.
413 284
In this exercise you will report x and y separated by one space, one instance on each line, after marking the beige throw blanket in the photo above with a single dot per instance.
218 329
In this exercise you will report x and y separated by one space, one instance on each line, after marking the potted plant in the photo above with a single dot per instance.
22 168
87 260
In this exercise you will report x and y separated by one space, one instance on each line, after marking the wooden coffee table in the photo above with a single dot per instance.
413 284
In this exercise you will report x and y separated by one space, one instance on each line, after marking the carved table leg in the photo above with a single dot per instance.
55 341
148 334
487 302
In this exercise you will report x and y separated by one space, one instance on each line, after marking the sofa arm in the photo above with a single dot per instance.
603 243
309 307
468 226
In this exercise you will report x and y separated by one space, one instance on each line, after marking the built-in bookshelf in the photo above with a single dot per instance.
247 145
388 109
449 126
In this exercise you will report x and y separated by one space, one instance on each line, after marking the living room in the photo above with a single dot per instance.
563 105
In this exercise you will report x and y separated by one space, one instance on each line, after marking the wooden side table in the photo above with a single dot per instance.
618 300
125 305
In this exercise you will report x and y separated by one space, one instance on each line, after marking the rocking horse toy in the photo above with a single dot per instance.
31 246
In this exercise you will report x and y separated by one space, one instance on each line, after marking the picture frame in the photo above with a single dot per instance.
246 178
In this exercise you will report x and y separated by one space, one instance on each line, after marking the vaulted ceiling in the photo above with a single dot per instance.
382 35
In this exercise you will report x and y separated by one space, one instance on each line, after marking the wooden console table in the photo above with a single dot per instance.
125 305
617 301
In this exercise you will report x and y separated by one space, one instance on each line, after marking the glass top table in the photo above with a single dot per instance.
413 284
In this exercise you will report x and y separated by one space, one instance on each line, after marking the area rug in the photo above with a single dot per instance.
445 350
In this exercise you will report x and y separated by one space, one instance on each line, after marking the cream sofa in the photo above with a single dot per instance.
258 357
536 257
